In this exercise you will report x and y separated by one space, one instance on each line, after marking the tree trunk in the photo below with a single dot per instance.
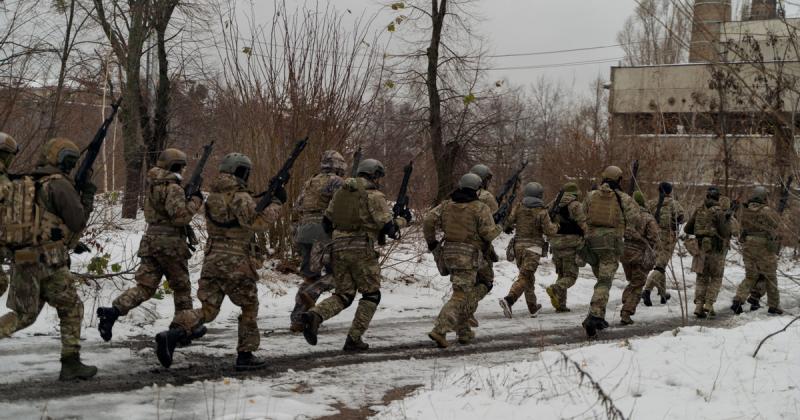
62 72
132 142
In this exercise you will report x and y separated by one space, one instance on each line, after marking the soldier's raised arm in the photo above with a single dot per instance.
487 229
178 207
431 222
511 221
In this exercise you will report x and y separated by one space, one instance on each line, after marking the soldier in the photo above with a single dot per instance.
532 221
608 211
565 243
486 271
359 216
310 235
163 250
8 150
760 247
468 228
40 272
710 226
637 258
669 217
232 258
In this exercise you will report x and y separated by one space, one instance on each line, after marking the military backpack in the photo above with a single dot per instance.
20 214
704 222
604 209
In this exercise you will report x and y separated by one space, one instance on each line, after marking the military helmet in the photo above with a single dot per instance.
533 189
638 196
372 168
170 157
233 161
713 193
571 187
332 161
57 151
759 195
8 144
612 173
482 171
470 181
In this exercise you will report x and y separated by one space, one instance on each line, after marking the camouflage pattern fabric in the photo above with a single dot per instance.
3 281
486 271
33 285
565 243
672 210
637 258
455 312
761 243
5 186
709 282
148 277
712 232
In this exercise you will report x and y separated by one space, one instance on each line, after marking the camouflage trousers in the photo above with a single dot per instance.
34 285
485 283
457 310
355 270
148 278
607 248
233 276
3 281
664 251
636 268
314 284
759 263
567 271
528 263
709 281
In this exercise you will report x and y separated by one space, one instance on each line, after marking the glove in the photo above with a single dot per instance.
391 230
281 195
198 194
87 193
432 245
407 215
81 248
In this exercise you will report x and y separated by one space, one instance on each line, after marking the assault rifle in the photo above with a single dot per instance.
634 175
732 210
660 204
553 212
196 181
785 189
282 177
510 186
84 173
356 161
400 208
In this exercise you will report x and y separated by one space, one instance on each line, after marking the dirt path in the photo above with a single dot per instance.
207 367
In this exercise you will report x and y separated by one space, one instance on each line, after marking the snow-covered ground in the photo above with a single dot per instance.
648 377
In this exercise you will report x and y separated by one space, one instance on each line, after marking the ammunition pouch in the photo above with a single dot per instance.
52 254
352 243
438 258
461 256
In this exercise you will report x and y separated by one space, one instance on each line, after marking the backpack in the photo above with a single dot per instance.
604 210
346 205
20 214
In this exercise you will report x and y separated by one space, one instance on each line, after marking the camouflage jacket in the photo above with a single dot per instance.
310 207
571 222
624 208
718 226
759 221
462 221
487 198
531 224
167 211
372 209
671 216
645 234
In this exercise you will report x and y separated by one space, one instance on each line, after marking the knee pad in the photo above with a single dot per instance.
347 300
374 297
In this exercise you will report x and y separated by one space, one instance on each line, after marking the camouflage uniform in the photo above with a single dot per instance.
532 222
607 211
163 250
709 224
638 256
564 245
5 253
232 256
311 237
671 216
760 246
468 228
359 213
485 271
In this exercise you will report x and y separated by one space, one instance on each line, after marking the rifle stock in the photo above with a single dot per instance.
553 212
84 172
282 177
196 181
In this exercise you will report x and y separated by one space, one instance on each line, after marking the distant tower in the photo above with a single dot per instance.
763 10
706 26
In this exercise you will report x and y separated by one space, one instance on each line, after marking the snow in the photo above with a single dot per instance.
694 372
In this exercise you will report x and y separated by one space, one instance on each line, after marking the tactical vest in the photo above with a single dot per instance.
314 201
666 219
528 223
755 222
155 211
704 222
604 209
347 205
20 213
458 222
225 234
566 224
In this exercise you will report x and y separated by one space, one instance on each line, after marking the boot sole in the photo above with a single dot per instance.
439 344
506 308
162 350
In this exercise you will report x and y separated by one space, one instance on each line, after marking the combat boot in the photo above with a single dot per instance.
699 311
465 337
72 368
311 323
473 322
106 319
439 339
505 304
354 345
755 304
646 298
535 310
736 307
665 297
592 324
625 318
245 360
708 308
198 332
775 311
166 341
553 294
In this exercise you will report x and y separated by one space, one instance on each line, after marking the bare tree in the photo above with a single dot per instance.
656 33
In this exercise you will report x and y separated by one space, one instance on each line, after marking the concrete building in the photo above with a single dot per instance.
734 102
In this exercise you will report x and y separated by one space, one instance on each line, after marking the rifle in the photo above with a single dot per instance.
659 206
400 208
505 209
84 173
511 183
784 200
732 210
634 175
196 181
553 212
356 161
282 177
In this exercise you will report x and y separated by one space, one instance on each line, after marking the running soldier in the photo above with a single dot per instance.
669 216
710 225
637 258
486 271
359 216
310 236
164 249
232 258
760 247
531 220
40 272
608 211
468 228
8 150
564 245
